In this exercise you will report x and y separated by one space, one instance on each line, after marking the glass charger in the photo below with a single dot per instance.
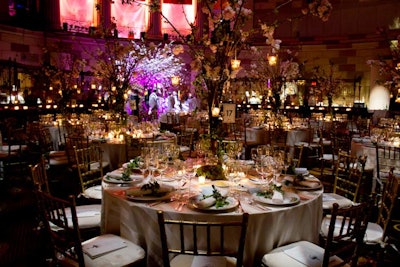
194 204
289 199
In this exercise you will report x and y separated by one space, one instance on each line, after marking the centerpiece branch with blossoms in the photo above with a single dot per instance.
225 36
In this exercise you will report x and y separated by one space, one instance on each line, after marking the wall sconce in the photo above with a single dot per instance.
51 88
93 86
235 64
272 60
175 80
215 111
113 88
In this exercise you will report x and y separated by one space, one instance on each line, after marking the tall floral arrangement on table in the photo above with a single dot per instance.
389 67
158 64
225 35
275 70
329 83
61 71
120 66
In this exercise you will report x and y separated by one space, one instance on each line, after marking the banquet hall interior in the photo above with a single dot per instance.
285 114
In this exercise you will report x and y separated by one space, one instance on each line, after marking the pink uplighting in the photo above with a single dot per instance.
77 12
129 18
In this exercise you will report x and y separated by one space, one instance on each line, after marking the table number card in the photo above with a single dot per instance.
229 113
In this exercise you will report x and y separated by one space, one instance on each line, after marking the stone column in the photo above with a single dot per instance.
52 14
155 25
105 14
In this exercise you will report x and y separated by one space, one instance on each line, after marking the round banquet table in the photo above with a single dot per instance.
267 229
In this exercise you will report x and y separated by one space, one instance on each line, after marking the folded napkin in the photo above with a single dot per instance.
206 203
277 197
309 183
101 245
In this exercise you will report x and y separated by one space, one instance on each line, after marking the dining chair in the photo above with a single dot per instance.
89 162
297 155
378 234
386 158
185 142
54 157
61 222
278 137
89 216
341 246
72 141
223 245
323 161
348 177
133 147
14 154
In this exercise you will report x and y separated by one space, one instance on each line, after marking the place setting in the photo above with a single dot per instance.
213 199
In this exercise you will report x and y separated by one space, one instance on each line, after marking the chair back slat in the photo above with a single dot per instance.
64 236
197 244
39 176
388 202
346 233
348 176
89 162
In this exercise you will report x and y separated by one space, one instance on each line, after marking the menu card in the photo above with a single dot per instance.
101 245
305 255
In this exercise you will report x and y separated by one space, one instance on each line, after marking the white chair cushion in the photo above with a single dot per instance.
94 192
373 234
57 161
202 261
89 216
329 198
120 257
298 254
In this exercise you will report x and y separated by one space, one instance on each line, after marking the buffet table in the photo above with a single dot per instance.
268 228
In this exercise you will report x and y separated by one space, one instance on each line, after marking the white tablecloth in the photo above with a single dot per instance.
266 229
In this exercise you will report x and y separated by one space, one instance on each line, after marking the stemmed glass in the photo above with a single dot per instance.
161 164
263 167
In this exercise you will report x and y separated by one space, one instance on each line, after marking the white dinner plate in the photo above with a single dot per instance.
289 199
232 204
115 179
302 171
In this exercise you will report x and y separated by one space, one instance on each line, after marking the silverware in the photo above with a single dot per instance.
159 202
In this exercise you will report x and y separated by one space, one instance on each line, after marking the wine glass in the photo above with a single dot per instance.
263 167
161 165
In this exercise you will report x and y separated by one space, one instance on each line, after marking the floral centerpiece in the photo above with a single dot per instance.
214 46
389 67
328 82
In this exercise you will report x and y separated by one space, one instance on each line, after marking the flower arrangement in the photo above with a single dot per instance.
328 82
390 67
124 65
225 35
